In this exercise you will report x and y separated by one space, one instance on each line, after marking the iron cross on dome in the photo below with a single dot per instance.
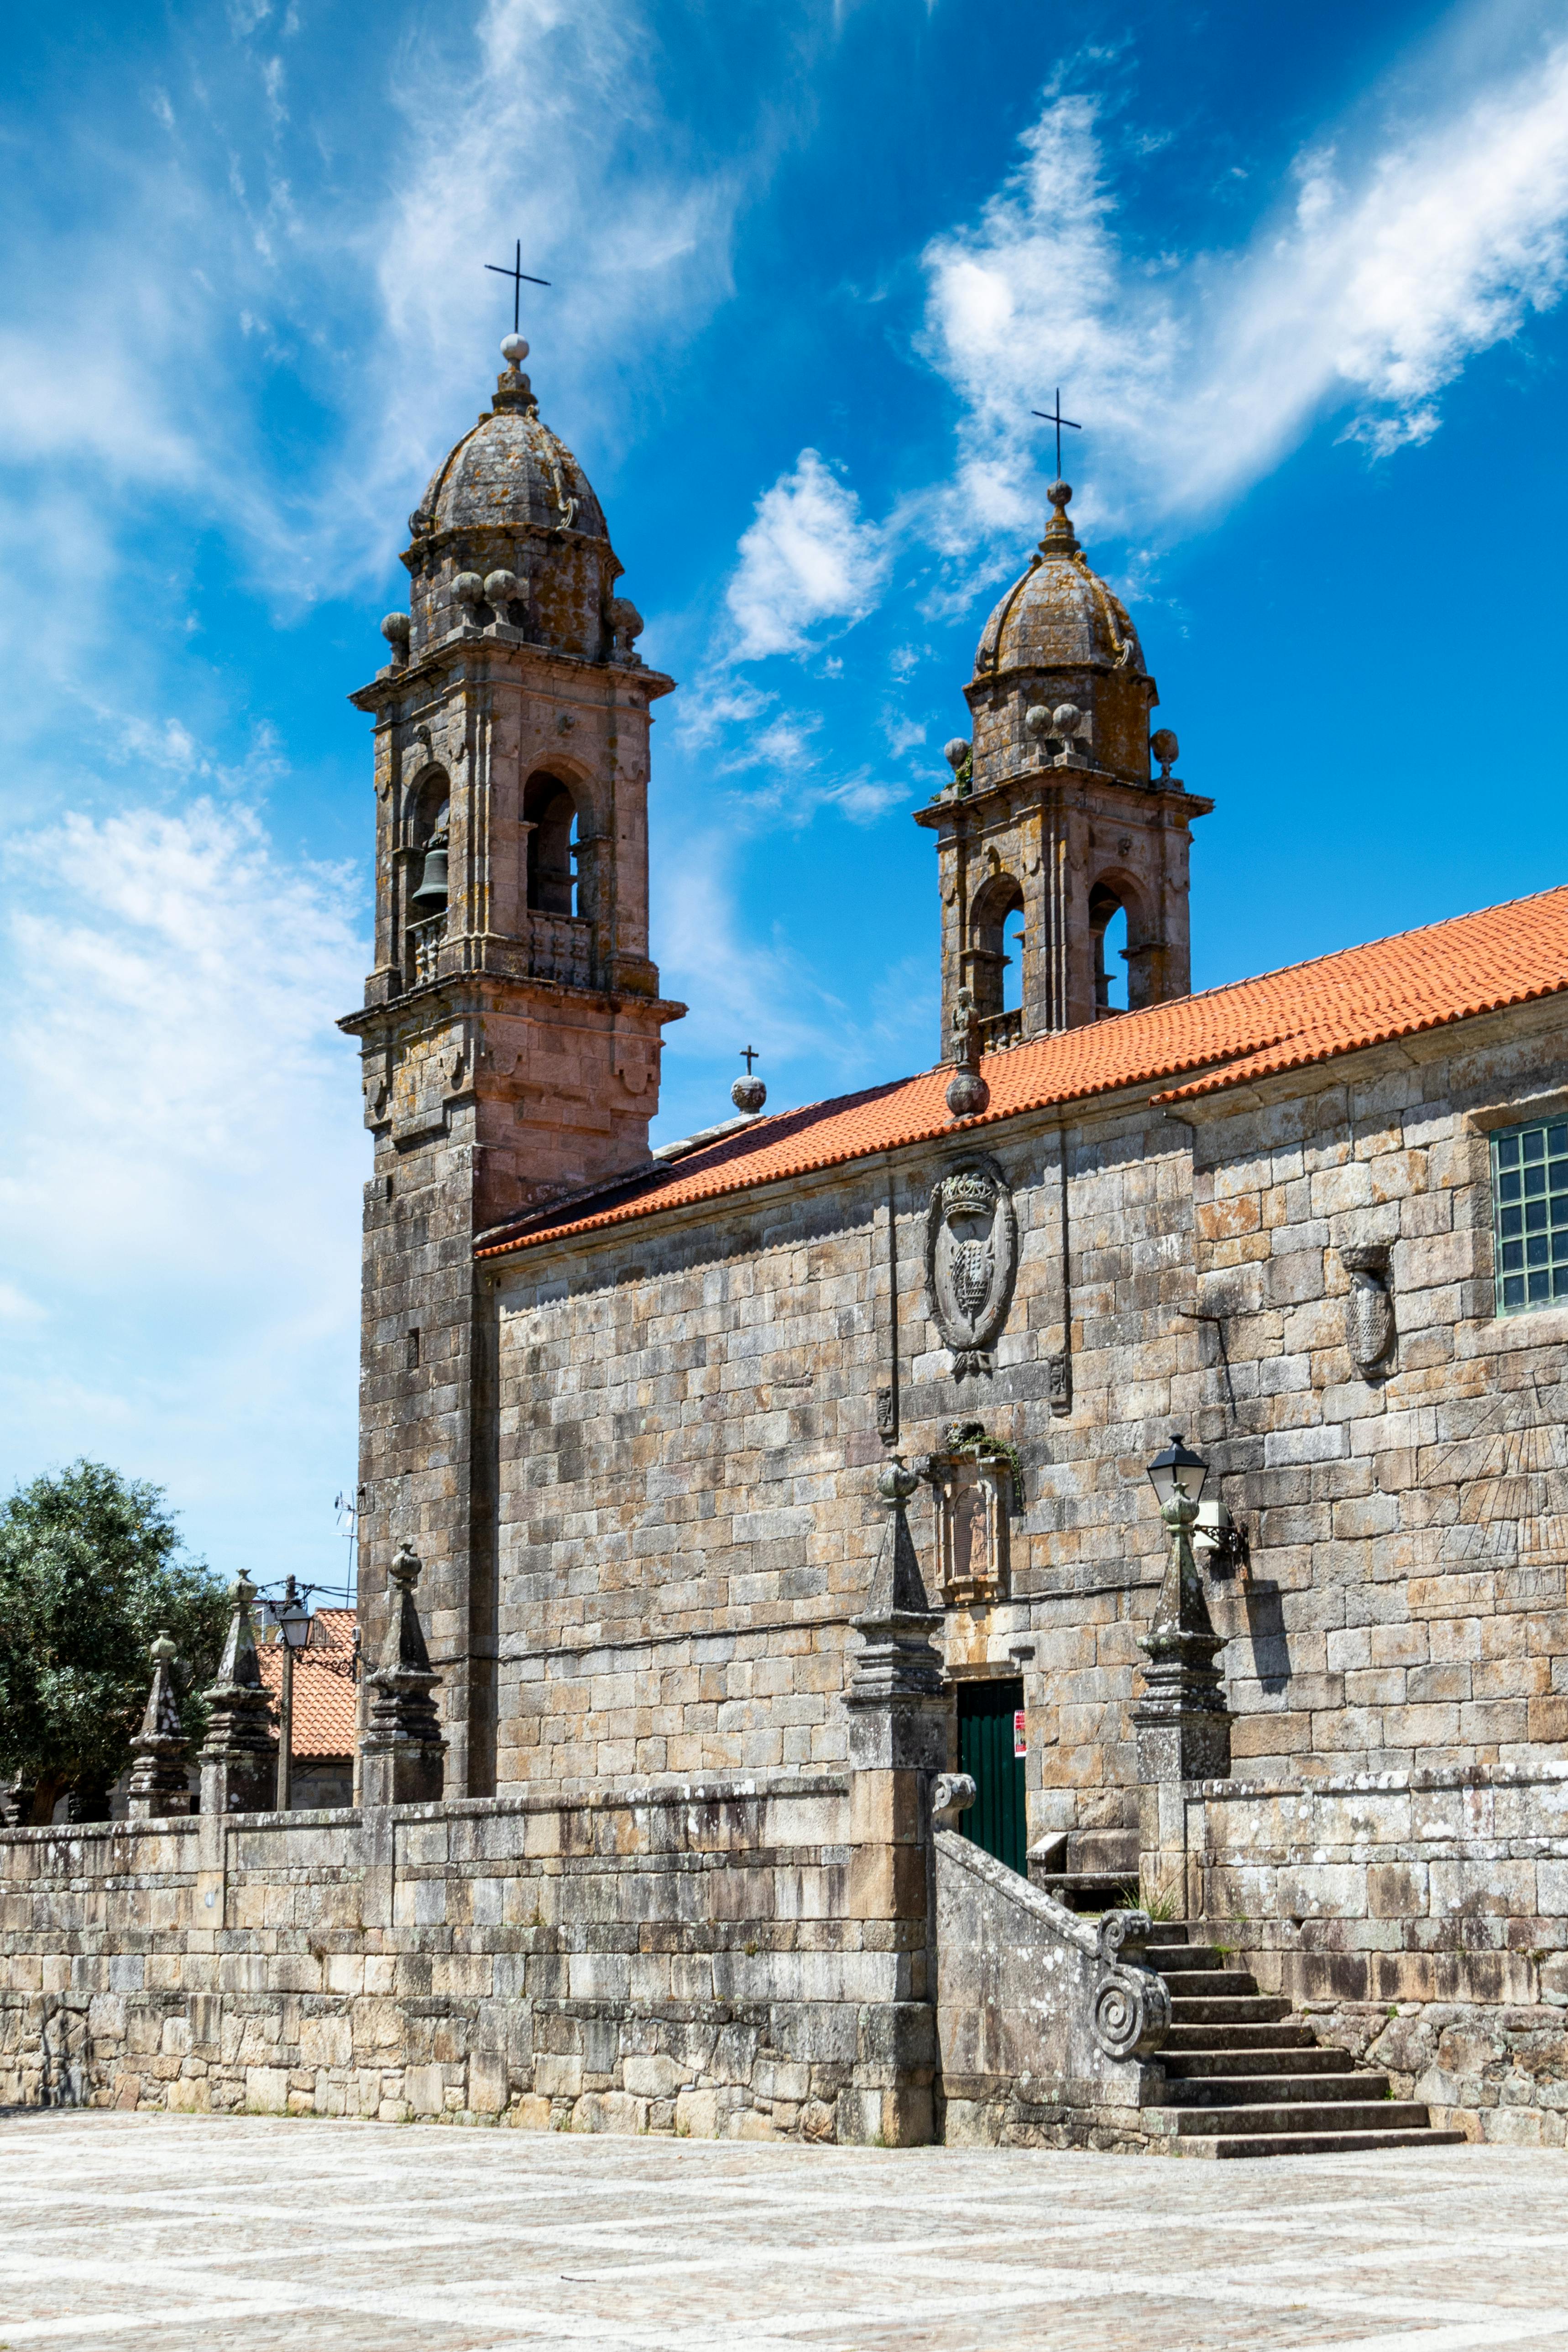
520 278
1052 417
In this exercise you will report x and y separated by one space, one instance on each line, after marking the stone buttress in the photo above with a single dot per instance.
511 1027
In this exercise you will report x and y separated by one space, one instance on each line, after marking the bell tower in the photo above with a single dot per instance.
1054 815
511 1028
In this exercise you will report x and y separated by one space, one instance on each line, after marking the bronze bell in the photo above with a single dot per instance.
432 891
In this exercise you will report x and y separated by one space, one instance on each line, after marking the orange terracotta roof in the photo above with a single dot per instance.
1284 1020
324 1688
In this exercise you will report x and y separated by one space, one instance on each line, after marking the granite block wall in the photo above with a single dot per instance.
706 1960
685 1439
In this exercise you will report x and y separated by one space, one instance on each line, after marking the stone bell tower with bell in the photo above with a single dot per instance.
510 1032
1054 813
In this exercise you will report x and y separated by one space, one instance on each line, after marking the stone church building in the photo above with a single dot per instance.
867 1550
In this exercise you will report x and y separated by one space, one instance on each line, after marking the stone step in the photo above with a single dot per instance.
1283 2090
1273 2033
1301 2116
1208 1984
1274 2057
1166 1956
1233 2008
1084 1890
1327 2143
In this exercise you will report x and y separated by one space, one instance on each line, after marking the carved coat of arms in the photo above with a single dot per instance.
971 1257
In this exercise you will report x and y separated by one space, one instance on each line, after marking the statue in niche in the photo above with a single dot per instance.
1369 1309
974 1494
971 1258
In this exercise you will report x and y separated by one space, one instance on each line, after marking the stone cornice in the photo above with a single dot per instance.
469 647
456 993
1000 800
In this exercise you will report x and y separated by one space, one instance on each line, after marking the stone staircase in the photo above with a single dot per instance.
1244 2076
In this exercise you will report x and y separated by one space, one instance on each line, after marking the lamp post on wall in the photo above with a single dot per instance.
1182 1720
295 1624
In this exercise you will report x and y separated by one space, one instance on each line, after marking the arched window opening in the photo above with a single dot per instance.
1013 968
429 838
550 810
1108 923
993 912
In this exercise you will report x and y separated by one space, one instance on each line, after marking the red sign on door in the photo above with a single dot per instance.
1020 1736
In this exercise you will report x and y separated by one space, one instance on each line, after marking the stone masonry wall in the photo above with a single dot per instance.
702 1961
687 1434
1419 1919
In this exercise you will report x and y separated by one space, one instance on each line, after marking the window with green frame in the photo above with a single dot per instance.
1530 1204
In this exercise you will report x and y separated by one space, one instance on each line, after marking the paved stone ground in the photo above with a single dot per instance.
192 2231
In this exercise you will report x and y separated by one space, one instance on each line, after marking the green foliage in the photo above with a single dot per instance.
90 1571
1160 1902
971 1437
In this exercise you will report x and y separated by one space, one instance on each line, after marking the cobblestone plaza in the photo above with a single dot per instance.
206 2232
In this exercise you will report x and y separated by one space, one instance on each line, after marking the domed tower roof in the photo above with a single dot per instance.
1060 614
509 534
509 470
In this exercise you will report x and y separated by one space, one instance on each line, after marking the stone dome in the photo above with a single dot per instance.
1060 614
510 472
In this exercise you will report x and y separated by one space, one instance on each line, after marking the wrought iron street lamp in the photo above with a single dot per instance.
295 1625
1178 1470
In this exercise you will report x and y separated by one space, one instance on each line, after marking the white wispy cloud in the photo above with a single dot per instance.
182 1183
1389 259
805 559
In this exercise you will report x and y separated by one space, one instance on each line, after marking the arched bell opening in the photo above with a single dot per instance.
550 812
997 913
1108 929
429 832
1013 962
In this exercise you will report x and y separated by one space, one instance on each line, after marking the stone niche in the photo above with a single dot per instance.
972 1498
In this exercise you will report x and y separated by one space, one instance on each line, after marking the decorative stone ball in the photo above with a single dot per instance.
1037 720
967 1094
1164 746
1059 493
749 1095
418 523
468 588
514 350
897 1483
624 618
956 753
397 628
503 587
1064 718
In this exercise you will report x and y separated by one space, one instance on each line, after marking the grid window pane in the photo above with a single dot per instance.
1530 1209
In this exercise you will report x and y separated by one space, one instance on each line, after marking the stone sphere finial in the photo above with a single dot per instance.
896 1483
749 1095
397 628
407 1565
1066 718
163 1651
514 350
956 753
1059 494
1037 720
468 588
967 1095
1165 748
503 587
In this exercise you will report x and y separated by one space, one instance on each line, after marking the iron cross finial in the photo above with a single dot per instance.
1053 417
520 278
749 1054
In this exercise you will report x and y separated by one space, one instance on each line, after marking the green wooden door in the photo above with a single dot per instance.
986 1712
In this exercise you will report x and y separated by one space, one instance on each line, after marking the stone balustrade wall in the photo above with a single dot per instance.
699 1959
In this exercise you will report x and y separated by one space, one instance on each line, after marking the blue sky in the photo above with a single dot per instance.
1299 272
